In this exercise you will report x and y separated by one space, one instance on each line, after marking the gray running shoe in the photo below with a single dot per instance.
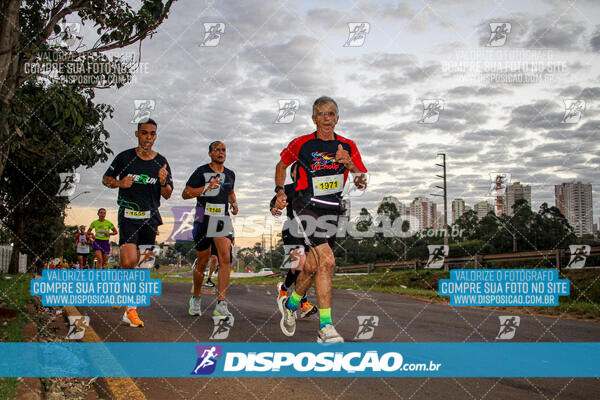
288 318
195 306
221 310
328 334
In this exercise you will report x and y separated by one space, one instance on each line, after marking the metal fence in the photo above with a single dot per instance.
557 258
5 253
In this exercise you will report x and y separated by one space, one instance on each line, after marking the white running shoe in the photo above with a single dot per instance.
288 318
195 306
221 310
328 334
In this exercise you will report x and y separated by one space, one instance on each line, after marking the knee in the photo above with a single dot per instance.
127 262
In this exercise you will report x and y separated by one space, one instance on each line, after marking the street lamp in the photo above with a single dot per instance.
84 192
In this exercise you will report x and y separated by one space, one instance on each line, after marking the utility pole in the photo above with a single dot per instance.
445 196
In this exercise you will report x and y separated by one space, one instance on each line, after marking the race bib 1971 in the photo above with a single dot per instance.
216 210
323 185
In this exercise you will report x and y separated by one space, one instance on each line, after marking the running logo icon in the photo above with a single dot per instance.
77 325
287 110
69 34
183 226
222 327
508 327
499 34
357 33
574 109
579 254
68 184
212 34
142 110
437 255
293 254
498 183
431 111
207 359
366 326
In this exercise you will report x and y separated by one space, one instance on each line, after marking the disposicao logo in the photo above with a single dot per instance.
207 359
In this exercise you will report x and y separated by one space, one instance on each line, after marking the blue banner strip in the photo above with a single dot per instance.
283 359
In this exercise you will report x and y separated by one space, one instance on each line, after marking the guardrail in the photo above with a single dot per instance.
555 256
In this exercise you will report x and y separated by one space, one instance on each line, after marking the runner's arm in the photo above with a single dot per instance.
114 183
190 192
166 191
233 201
280 173
114 231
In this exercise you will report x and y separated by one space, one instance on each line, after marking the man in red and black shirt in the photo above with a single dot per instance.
324 160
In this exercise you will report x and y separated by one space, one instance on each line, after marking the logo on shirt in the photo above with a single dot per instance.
207 359
143 179
323 160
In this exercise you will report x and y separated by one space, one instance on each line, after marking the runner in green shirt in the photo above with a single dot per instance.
101 243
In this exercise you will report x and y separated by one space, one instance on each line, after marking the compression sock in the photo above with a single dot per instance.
293 301
290 278
325 314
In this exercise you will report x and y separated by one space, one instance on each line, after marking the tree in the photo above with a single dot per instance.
467 222
29 207
36 42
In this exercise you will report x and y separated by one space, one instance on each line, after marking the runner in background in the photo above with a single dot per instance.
104 230
82 244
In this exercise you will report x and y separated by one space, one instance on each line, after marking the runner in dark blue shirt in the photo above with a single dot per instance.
212 186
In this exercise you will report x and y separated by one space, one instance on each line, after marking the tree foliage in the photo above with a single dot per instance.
37 42
29 207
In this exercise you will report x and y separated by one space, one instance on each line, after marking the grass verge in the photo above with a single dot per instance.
14 295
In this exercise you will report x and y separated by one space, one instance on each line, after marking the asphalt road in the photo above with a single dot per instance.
401 319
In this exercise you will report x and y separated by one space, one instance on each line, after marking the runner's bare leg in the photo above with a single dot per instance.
223 246
201 260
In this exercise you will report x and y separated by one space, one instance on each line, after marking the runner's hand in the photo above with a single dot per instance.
162 175
341 155
281 201
126 182
275 212
360 181
214 183
234 208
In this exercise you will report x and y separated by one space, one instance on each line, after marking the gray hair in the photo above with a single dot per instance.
323 100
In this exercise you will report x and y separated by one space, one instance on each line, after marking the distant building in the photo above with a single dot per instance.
515 192
574 200
424 211
401 207
483 208
458 209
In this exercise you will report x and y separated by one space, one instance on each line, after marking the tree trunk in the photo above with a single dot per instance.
13 267
9 68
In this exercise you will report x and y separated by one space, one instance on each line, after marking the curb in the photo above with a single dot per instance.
119 388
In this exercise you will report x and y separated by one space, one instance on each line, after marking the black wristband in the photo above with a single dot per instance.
277 188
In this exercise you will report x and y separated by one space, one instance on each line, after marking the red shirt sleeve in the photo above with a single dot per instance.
290 154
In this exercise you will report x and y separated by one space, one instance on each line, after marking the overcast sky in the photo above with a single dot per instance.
412 52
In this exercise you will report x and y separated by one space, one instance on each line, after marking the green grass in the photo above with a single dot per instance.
14 294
